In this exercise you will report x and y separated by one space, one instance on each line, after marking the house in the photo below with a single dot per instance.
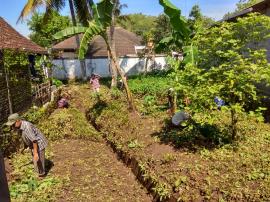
15 94
262 7
67 65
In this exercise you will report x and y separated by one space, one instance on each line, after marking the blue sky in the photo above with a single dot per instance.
10 9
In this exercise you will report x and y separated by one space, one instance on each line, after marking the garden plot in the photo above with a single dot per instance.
188 166
85 168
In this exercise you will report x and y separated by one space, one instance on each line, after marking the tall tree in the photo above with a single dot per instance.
102 17
81 9
138 23
42 33
115 14
162 28
195 13
197 20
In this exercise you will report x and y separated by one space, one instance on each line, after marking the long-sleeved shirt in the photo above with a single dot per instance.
32 134
95 83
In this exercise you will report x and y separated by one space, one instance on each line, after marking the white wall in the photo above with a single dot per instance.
70 68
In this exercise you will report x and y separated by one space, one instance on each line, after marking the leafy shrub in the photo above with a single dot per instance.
149 103
150 85
35 114
57 82
231 61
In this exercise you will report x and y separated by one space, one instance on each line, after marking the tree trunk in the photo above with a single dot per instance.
122 74
112 42
145 65
82 63
234 122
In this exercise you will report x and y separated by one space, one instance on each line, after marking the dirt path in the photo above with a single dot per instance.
95 173
93 168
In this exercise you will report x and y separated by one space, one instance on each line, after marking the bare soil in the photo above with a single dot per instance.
95 173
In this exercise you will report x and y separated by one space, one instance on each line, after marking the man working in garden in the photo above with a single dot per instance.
33 139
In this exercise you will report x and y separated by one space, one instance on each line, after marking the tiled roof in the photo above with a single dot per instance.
11 39
125 43
260 7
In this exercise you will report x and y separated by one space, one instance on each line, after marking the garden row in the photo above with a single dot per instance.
192 164
77 157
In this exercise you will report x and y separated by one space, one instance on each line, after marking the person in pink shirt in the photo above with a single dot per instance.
94 81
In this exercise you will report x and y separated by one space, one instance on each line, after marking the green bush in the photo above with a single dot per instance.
155 85
57 82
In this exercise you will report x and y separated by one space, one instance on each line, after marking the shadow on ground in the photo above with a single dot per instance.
195 137
48 166
95 111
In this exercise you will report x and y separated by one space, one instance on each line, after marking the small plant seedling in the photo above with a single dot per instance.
133 144
168 158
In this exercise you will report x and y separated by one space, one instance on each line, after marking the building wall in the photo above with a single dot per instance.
70 68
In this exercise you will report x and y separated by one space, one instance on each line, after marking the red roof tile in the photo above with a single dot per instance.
125 43
11 39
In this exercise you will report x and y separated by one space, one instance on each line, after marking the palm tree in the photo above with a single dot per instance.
82 10
102 18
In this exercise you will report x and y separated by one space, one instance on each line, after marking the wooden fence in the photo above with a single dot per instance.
42 93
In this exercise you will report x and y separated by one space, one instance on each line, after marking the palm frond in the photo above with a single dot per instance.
93 30
51 6
29 8
83 11
69 32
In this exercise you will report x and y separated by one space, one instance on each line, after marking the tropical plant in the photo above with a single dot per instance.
197 21
42 32
82 9
102 17
231 63
181 33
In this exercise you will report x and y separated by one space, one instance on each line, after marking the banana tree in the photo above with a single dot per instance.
181 34
79 8
102 17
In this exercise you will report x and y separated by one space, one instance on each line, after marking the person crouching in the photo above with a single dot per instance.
32 138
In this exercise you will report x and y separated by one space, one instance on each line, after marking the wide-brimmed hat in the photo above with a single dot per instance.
12 119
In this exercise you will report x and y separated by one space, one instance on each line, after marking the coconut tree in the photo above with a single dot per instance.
102 18
80 8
